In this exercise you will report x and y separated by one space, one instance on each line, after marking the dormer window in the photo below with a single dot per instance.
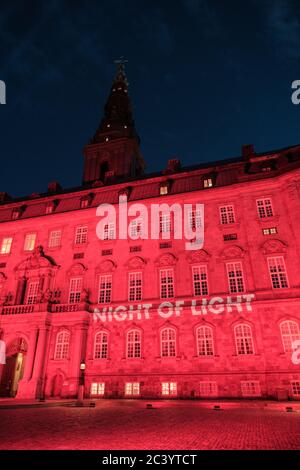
85 201
16 213
50 207
164 189
207 183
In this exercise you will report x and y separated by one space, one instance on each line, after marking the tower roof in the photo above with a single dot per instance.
118 118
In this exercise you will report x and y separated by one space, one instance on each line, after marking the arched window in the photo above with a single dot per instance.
62 345
168 342
205 342
289 333
133 344
243 339
101 345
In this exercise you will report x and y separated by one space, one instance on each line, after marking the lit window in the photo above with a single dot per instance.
235 277
136 228
163 190
169 388
133 344
29 242
208 389
250 388
243 339
166 283
200 281
269 231
289 333
49 208
6 245
32 293
105 288
16 213
84 203
109 232
135 287
75 290
195 219
278 272
108 125
264 208
97 388
81 235
101 345
168 342
208 183
295 388
165 223
62 345
54 239
205 343
227 215
132 388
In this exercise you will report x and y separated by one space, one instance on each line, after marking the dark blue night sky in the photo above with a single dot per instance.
206 76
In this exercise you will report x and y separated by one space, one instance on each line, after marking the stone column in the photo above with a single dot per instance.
30 354
40 358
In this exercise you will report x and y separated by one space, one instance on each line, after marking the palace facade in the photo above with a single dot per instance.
148 318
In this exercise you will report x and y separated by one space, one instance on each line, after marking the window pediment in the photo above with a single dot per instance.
106 266
233 252
200 256
167 259
274 246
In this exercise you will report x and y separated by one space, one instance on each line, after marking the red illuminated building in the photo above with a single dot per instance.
55 271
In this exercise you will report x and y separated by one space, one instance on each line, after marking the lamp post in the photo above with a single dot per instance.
81 384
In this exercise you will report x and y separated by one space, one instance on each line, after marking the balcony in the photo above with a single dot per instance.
43 307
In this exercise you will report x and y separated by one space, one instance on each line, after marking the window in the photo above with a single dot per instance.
50 208
208 389
165 223
205 343
109 232
32 292
163 190
62 345
250 388
16 213
136 228
200 281
168 342
295 388
6 245
81 235
97 388
278 272
166 283
75 290
54 239
229 236
132 388
208 183
227 215
269 231
235 277
289 333
84 202
29 242
195 219
243 339
133 344
135 287
105 287
264 208
101 345
169 388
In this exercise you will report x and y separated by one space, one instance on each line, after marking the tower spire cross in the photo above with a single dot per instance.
120 63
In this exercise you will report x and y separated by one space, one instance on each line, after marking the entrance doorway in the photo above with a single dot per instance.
13 370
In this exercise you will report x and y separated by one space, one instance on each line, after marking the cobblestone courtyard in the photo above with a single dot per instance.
129 425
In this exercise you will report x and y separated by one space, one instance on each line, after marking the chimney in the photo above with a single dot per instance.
54 187
174 164
4 197
247 150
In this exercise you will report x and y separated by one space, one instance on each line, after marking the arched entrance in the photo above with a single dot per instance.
57 383
13 370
